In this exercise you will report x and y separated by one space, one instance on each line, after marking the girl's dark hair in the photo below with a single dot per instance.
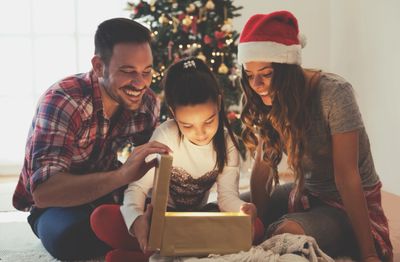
287 119
191 82
115 31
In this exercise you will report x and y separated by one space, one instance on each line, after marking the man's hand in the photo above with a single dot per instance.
141 228
136 166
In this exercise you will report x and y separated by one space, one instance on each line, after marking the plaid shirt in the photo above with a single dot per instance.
69 133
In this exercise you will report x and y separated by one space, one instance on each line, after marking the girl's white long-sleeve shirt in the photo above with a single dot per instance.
190 163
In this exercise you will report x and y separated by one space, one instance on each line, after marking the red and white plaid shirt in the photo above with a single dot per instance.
69 133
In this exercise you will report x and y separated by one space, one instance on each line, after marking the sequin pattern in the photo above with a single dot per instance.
188 192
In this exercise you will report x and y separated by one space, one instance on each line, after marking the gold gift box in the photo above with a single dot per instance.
193 233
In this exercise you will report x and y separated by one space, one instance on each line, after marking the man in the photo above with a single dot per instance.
71 163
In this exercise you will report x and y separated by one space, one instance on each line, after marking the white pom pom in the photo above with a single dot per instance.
303 40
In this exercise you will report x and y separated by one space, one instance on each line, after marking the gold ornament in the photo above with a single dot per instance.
175 23
223 69
187 21
227 27
201 56
210 5
190 8
163 19
202 15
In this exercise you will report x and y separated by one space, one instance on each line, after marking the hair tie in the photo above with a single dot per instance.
189 63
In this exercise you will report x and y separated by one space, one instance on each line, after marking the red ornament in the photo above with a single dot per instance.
194 25
181 16
207 40
219 35
231 116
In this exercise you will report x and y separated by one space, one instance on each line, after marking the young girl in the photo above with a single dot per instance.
311 116
204 150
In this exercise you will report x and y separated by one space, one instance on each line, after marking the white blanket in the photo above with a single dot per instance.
280 248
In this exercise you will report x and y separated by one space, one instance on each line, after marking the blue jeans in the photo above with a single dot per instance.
66 233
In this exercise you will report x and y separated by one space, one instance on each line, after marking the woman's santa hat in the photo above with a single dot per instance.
271 37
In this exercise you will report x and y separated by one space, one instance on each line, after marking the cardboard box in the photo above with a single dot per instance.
193 233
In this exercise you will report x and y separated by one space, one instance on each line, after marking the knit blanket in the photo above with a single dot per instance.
280 248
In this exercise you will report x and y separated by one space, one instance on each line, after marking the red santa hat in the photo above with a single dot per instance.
271 37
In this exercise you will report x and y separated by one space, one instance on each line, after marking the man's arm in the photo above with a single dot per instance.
65 189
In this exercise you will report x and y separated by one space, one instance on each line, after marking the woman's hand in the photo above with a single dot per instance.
257 229
141 228
249 209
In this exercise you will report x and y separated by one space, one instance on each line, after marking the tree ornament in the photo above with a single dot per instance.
202 15
210 5
227 27
163 19
202 56
175 24
223 69
190 8
187 21
207 40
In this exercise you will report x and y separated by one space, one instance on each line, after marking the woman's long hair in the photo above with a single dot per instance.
281 126
191 82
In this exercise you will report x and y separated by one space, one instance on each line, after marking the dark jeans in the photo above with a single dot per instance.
66 233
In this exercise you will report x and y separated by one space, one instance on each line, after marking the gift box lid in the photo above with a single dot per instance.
159 200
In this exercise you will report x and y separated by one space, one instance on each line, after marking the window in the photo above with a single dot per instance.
42 41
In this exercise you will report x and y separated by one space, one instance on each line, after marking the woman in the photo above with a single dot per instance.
313 118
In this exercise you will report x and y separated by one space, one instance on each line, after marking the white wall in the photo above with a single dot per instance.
313 19
41 41
359 40
365 45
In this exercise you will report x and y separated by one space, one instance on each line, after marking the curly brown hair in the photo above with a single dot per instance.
282 126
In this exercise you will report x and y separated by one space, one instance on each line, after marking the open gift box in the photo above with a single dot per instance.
193 233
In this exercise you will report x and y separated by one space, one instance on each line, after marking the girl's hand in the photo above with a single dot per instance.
141 228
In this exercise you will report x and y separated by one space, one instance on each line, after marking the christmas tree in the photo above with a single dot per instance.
201 28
